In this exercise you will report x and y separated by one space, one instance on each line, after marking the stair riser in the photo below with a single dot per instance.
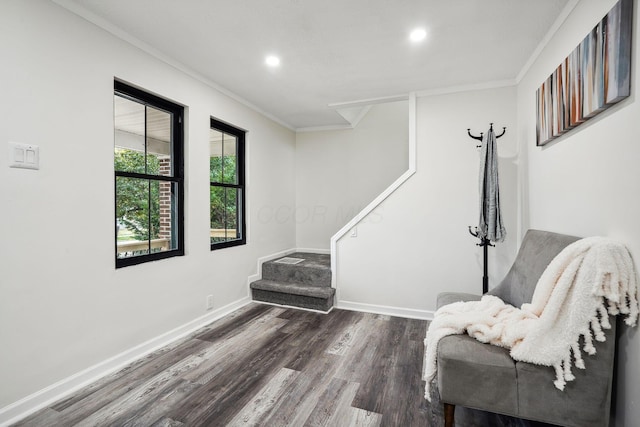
292 300
291 274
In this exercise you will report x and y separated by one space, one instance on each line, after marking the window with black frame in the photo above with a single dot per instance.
148 164
227 188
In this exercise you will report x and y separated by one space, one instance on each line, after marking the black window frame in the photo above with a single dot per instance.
240 135
177 166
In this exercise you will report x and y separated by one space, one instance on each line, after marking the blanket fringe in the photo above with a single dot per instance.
559 382
596 326
577 354
604 316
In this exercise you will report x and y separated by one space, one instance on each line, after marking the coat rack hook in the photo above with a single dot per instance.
479 138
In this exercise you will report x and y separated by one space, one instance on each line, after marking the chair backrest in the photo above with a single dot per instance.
536 252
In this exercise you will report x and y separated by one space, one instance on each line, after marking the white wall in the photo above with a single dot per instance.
588 181
63 305
416 243
340 172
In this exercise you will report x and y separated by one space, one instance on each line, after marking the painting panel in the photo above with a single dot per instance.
618 52
575 89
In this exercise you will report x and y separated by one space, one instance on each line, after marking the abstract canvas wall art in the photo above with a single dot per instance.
592 78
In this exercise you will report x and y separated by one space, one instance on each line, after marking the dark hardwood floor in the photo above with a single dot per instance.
266 366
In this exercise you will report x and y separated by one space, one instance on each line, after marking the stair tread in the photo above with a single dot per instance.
311 260
294 288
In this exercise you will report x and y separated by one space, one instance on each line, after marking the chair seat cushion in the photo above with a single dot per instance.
477 375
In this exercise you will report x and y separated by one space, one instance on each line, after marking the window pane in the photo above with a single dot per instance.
158 142
218 213
229 169
232 212
129 119
224 214
222 148
215 153
132 216
165 234
215 169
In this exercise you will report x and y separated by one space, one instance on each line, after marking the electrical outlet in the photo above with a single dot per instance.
209 302
25 156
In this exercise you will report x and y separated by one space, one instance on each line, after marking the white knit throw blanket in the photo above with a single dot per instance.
590 279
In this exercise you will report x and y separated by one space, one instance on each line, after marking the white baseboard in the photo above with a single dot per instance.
314 251
48 395
409 313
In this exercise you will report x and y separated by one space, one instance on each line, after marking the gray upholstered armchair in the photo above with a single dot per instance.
485 377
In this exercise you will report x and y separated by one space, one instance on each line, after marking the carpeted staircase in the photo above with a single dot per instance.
299 280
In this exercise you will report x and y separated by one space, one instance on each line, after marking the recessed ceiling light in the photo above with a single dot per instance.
417 35
272 61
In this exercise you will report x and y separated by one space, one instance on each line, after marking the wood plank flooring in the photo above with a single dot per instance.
265 366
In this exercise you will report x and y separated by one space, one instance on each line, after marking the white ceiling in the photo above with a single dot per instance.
332 51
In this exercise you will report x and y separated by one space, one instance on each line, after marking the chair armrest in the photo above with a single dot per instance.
445 298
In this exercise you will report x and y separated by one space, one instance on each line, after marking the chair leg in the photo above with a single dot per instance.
449 414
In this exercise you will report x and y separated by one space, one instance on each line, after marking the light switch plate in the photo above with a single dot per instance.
24 156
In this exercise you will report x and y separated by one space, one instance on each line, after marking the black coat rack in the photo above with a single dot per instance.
484 242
